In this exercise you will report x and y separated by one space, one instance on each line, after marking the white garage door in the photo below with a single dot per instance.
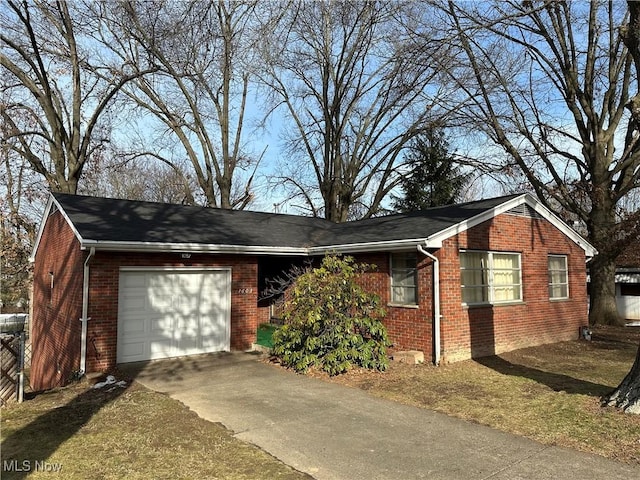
169 313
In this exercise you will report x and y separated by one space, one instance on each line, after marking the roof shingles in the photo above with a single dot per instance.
126 221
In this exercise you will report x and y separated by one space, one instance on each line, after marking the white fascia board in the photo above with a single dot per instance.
189 248
367 247
589 250
51 202
435 240
45 215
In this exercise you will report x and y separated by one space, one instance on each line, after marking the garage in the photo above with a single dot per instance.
171 312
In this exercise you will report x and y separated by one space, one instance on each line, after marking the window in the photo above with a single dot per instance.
404 278
490 277
558 277
630 289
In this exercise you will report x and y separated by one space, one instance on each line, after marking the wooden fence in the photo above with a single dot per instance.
12 353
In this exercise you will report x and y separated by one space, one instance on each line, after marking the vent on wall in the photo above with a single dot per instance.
525 210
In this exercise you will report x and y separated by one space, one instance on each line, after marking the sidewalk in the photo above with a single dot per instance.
335 432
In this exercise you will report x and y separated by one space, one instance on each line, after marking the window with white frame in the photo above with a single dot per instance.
404 278
490 277
558 277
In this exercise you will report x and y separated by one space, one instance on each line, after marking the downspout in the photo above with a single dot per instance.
436 303
85 311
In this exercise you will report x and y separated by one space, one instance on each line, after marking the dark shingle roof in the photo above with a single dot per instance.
113 220
420 224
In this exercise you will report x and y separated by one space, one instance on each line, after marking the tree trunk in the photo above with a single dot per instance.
602 295
601 225
627 395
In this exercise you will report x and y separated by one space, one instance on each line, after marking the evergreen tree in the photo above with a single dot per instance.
432 179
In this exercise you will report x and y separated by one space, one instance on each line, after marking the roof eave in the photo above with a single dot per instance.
460 227
589 250
368 247
365 247
436 239
45 215
116 246
51 202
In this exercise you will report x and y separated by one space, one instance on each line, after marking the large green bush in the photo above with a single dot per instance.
331 322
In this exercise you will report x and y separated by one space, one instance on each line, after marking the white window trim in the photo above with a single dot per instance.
396 303
566 273
490 272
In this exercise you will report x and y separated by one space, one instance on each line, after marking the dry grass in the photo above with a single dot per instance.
131 433
549 393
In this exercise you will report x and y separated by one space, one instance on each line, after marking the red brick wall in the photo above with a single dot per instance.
477 331
103 298
264 314
55 322
408 327
55 325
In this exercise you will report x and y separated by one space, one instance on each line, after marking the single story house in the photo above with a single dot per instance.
119 281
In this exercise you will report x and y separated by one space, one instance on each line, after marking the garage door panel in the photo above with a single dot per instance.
133 279
134 325
159 301
166 314
189 325
212 343
189 344
186 305
160 326
130 352
135 300
212 328
161 348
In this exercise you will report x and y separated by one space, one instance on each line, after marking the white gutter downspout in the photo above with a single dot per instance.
85 311
436 303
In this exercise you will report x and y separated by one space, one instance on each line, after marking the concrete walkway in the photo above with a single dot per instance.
335 432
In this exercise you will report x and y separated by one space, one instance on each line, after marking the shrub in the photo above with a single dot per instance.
331 322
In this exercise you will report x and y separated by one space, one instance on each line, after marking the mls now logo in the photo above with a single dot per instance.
30 466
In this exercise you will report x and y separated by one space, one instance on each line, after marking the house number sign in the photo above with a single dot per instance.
245 291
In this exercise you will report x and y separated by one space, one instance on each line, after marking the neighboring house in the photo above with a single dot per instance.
628 282
120 281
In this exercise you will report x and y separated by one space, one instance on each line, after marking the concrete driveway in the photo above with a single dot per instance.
335 432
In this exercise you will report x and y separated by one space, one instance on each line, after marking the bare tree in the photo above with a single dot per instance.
53 100
354 84
139 178
627 395
199 93
20 197
552 84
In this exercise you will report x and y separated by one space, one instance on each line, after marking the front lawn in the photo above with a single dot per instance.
131 433
549 393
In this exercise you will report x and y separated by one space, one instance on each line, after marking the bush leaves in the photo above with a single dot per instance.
331 322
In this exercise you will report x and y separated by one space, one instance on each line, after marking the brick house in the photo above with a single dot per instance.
119 281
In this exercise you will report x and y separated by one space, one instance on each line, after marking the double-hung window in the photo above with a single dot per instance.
558 277
404 279
490 277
